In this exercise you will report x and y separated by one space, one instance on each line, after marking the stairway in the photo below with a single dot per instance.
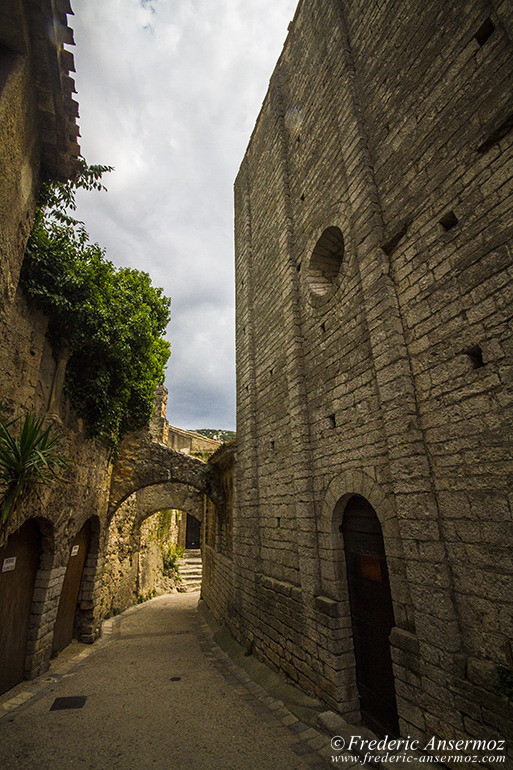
190 569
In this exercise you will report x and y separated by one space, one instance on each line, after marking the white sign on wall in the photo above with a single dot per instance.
9 564
74 550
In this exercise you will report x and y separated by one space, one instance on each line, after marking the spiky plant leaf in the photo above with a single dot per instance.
28 459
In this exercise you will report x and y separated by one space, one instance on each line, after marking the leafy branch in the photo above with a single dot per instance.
111 319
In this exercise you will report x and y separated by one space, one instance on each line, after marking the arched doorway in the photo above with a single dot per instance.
19 562
372 615
192 533
65 622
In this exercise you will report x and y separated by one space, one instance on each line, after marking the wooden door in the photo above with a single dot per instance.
372 615
192 537
63 629
19 562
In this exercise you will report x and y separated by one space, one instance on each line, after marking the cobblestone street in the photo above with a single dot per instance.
158 693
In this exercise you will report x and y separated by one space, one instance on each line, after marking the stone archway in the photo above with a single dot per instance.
125 579
143 462
372 614
148 477
334 575
161 497
333 571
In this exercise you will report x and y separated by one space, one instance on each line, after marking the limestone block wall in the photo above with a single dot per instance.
38 135
217 583
30 381
37 121
20 164
373 235
121 571
217 588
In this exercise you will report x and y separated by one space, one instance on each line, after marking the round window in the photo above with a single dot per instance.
326 261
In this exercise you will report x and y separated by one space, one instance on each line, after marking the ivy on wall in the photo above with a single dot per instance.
111 319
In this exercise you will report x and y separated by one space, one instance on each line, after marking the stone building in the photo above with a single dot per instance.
38 139
52 551
372 528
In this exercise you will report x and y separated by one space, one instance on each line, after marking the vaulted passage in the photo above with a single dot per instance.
372 615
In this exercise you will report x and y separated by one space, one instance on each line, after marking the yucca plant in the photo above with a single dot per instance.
27 460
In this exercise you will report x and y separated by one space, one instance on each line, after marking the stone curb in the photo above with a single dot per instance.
310 741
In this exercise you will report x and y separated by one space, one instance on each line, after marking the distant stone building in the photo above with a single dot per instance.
372 522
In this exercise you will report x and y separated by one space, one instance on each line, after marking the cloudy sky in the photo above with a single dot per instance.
169 91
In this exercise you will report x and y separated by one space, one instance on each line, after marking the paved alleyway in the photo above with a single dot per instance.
157 697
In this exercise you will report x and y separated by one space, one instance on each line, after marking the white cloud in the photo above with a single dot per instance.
169 91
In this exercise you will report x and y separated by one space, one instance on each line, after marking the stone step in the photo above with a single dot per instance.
184 589
190 568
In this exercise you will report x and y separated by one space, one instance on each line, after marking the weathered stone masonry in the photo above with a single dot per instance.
373 233
38 140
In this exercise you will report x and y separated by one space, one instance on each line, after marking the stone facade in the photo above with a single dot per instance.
217 550
373 234
38 140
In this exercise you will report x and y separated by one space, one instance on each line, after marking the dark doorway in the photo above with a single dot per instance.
19 562
192 532
64 625
372 615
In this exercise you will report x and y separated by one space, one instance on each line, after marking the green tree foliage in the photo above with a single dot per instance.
111 319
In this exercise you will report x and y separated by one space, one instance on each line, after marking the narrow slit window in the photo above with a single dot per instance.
485 31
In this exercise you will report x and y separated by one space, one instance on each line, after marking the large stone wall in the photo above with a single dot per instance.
217 587
37 135
373 236
38 141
